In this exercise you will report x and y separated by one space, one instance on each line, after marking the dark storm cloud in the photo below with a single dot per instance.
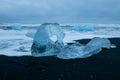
59 10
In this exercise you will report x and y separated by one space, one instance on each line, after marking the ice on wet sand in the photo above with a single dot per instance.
43 45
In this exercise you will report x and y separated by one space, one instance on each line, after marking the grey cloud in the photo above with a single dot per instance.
36 11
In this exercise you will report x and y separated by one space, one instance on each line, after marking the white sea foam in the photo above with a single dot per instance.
11 41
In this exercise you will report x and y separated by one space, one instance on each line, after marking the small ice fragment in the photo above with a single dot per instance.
30 34
16 27
100 42
83 28
113 46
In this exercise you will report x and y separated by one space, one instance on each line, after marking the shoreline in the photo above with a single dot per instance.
104 65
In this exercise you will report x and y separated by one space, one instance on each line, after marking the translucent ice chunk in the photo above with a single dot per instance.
43 45
16 27
30 34
77 51
83 28
54 29
100 42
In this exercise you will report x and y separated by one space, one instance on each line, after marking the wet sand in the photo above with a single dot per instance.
102 66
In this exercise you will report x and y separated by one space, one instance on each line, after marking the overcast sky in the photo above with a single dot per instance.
63 11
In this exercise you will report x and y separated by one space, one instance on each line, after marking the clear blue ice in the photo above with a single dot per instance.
44 45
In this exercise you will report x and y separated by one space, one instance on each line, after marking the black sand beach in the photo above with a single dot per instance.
102 66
